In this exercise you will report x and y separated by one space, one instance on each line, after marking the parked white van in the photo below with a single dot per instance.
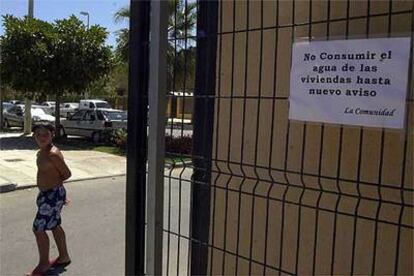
93 104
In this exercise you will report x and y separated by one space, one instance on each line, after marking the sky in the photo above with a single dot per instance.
101 12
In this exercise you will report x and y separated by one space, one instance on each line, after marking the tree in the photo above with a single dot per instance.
181 72
112 87
79 57
180 52
25 49
122 39
53 58
182 20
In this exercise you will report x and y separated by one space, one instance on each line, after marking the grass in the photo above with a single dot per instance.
84 144
110 150
117 151
169 159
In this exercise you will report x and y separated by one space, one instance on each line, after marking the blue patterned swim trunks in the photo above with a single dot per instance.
49 204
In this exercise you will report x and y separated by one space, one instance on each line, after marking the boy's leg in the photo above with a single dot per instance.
60 239
42 241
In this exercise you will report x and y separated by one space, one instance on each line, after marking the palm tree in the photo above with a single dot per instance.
181 25
122 15
123 34
181 31
181 21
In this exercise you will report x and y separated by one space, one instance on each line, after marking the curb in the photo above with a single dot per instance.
24 187
7 188
14 187
96 177
180 165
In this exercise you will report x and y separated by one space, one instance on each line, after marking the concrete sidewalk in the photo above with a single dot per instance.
18 163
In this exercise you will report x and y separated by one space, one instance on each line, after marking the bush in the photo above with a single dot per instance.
119 138
176 145
180 145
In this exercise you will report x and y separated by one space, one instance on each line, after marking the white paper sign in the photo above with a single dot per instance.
354 82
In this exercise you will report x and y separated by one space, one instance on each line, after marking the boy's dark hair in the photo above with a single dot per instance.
47 126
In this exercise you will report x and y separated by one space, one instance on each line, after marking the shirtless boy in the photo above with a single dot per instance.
52 171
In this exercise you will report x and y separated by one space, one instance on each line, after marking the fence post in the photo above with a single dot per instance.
137 137
156 141
203 120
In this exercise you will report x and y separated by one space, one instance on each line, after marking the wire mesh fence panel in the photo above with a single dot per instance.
248 191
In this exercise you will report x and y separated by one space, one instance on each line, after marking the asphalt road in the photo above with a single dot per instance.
94 223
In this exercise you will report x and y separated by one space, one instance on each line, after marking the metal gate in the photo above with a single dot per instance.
245 190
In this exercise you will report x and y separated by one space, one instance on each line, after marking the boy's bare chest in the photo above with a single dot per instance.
44 163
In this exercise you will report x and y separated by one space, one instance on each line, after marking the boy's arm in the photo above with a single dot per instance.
59 162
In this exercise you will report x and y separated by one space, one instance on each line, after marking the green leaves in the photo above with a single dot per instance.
58 57
81 56
182 20
24 47
181 53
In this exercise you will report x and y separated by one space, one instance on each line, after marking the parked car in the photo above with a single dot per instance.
50 105
68 109
93 104
93 123
6 106
15 115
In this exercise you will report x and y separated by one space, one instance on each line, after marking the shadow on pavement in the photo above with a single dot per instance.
74 143
12 130
18 143
28 143
55 271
